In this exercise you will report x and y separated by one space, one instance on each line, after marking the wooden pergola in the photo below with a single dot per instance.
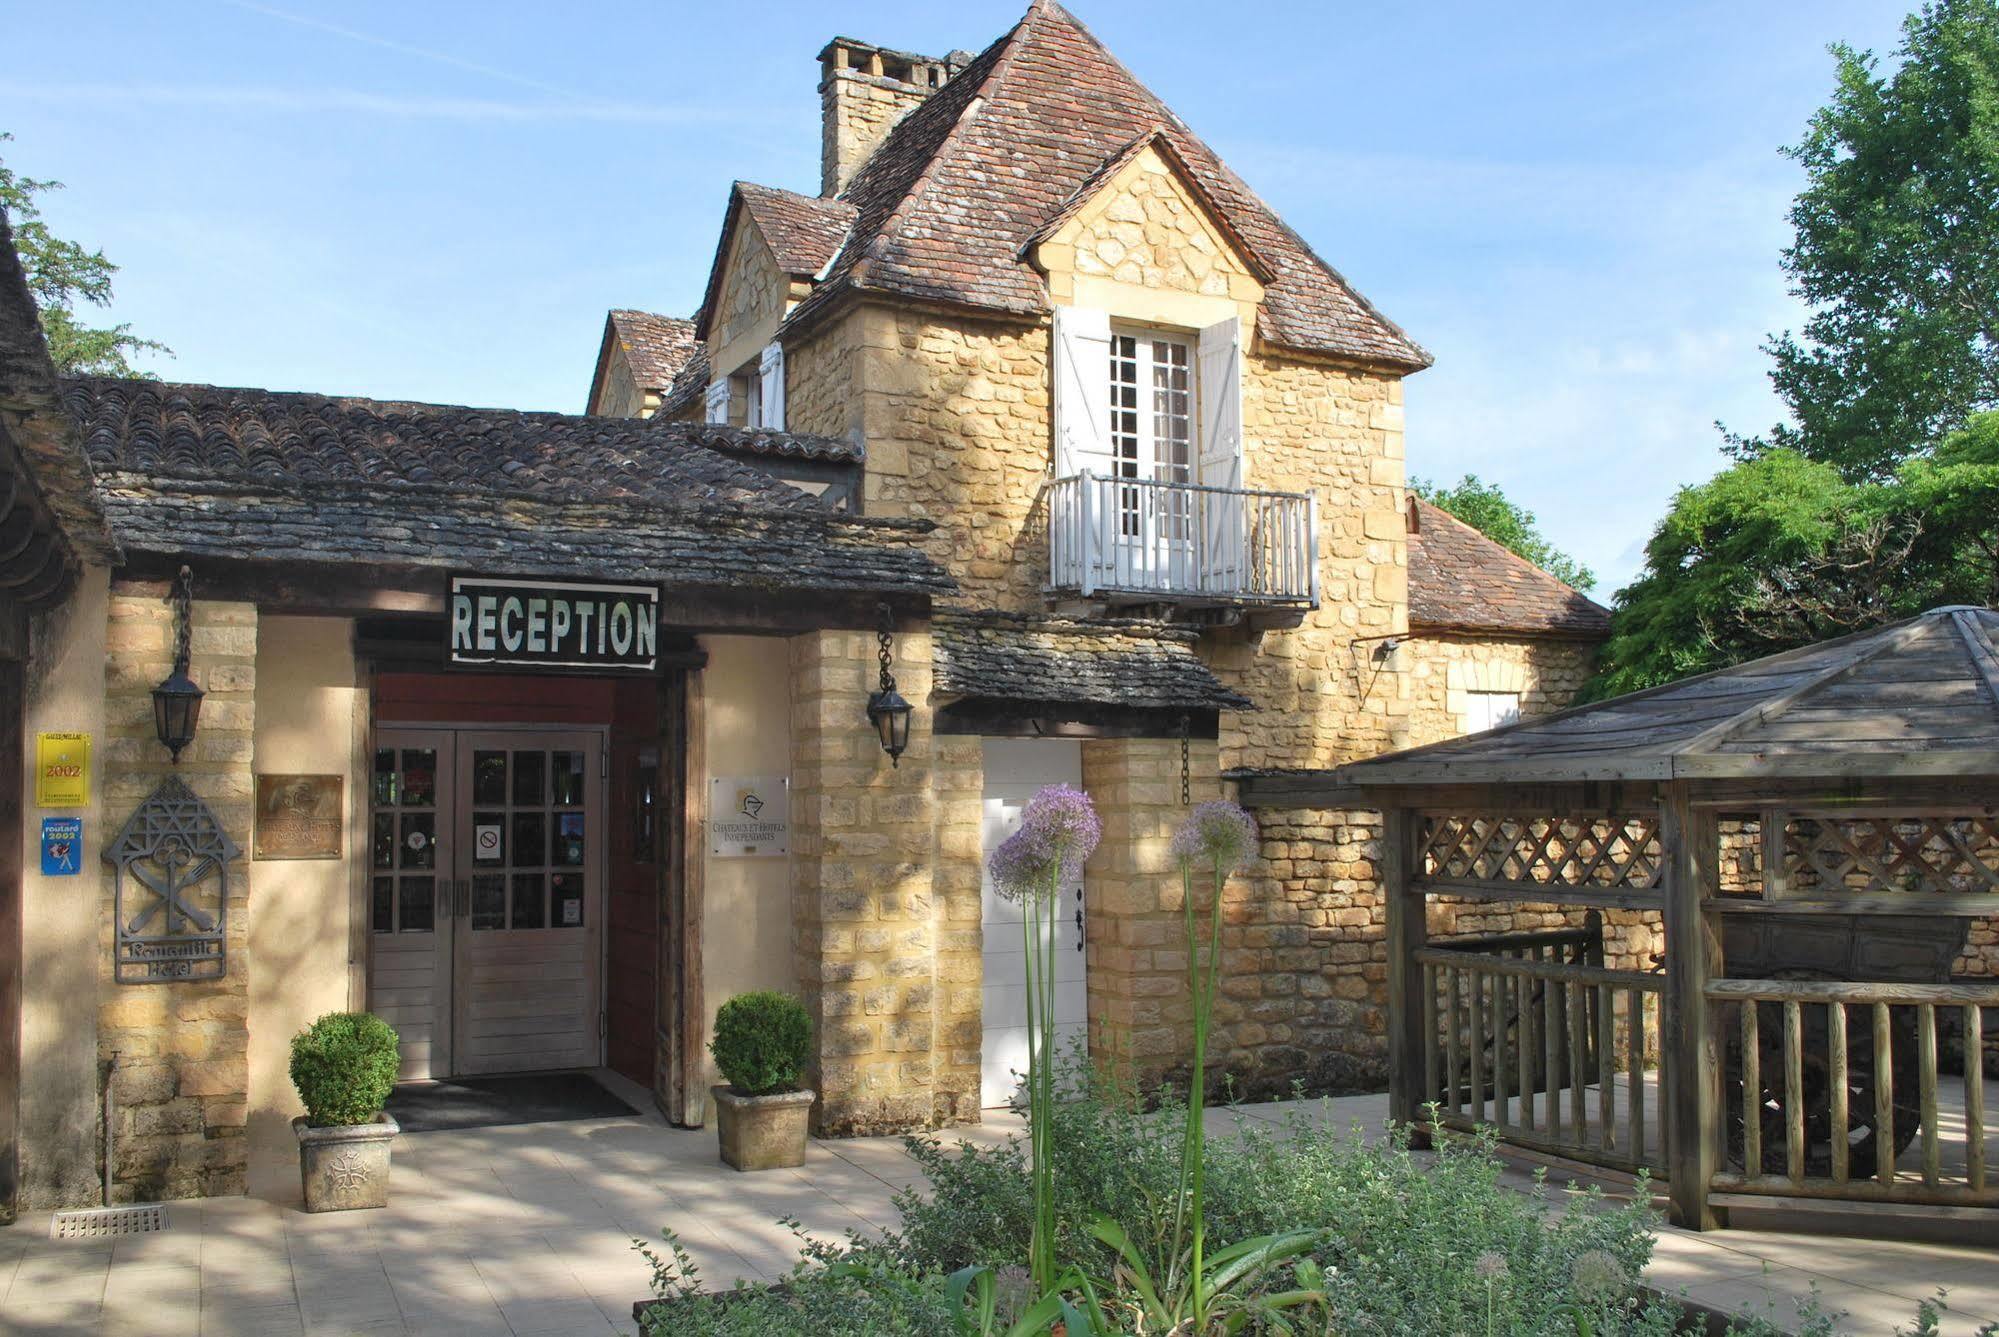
1816 833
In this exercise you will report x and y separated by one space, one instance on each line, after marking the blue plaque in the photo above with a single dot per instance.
62 846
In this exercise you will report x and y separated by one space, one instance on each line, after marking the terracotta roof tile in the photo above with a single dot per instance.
945 204
656 347
1460 580
802 231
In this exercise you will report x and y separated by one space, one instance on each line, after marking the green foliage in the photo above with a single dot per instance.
1896 250
60 274
762 1043
344 1066
1781 551
863 1298
1512 526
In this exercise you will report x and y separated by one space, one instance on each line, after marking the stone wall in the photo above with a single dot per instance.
1323 696
1443 667
821 371
183 1068
885 895
755 295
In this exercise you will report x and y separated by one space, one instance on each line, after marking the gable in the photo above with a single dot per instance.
750 300
1142 244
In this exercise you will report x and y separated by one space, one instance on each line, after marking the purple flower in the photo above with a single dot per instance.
1218 831
1058 831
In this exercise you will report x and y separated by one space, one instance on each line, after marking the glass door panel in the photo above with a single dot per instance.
410 968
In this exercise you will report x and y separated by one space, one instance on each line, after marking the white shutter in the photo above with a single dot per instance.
1081 373
718 401
1219 387
770 367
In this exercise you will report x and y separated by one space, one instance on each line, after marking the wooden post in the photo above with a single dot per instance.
1693 1053
1407 933
11 838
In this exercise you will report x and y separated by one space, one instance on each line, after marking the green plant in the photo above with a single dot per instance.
1226 1289
1223 835
762 1042
344 1066
1058 830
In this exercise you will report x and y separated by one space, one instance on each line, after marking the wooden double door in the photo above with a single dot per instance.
486 872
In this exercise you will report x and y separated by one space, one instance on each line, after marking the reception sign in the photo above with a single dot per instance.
552 625
62 770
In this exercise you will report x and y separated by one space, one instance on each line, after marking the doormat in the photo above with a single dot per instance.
495 1102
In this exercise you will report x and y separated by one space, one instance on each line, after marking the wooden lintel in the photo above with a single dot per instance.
988 718
360 590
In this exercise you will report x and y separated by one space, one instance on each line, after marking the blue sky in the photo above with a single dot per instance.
1577 208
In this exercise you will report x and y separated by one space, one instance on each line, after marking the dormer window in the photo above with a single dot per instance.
752 395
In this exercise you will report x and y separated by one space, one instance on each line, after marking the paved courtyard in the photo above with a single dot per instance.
527 1230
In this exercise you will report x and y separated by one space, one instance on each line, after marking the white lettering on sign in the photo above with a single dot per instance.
514 622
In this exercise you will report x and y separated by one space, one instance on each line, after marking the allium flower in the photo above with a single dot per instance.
1058 831
1598 1277
1219 832
1490 1266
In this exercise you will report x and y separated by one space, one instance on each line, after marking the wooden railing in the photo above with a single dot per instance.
1813 1110
1529 1033
1138 536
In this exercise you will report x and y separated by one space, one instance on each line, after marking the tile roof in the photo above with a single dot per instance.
215 432
1027 658
206 470
1460 580
802 231
50 460
656 347
946 202
1917 698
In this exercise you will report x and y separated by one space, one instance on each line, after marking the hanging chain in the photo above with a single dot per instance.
1186 790
183 601
884 639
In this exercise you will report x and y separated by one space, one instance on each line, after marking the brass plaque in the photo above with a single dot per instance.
298 817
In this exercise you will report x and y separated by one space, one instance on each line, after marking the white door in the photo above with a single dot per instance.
1015 769
1152 453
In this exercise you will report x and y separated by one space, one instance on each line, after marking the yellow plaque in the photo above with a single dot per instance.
62 770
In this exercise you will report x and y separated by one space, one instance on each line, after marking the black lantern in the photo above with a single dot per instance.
887 711
177 701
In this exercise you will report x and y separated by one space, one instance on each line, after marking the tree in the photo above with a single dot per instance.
1896 251
60 274
1781 551
1488 510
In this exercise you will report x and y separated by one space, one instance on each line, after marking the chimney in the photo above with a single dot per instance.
863 91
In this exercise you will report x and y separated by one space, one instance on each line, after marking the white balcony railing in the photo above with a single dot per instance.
1176 541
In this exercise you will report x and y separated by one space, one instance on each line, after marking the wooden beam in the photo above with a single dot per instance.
1693 1049
362 590
1541 893
13 837
989 718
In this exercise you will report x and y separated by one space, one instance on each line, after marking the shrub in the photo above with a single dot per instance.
344 1066
762 1041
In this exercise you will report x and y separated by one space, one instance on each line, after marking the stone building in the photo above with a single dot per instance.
1058 326
543 734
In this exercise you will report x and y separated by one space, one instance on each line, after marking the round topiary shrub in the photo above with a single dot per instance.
344 1066
762 1041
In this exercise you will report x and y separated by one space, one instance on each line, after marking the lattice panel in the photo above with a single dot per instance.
1621 851
1939 853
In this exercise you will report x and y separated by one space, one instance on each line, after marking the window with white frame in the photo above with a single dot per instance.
1152 428
1489 710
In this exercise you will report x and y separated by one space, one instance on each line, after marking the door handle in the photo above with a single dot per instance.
1079 919
443 901
461 897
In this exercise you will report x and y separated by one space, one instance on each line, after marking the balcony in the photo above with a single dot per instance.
1137 540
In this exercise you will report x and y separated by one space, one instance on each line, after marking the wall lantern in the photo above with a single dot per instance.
887 711
177 701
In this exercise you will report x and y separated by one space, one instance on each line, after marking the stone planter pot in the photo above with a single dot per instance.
762 1132
346 1166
